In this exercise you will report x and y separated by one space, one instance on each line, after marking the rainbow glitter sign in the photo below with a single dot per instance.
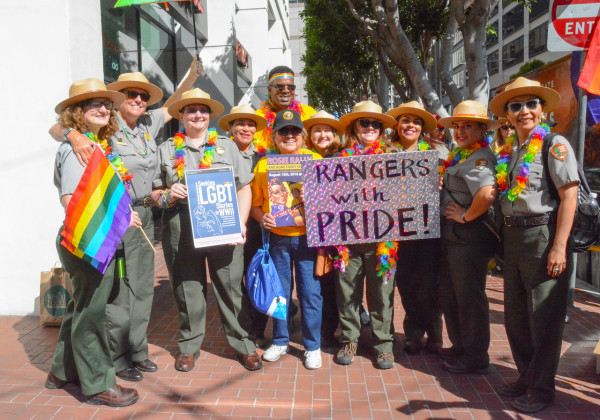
372 198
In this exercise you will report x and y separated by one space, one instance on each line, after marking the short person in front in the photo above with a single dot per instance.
538 197
468 242
288 246
83 352
201 148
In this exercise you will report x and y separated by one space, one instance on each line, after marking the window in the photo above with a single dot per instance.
538 8
512 53
512 21
458 57
537 39
491 39
459 79
494 11
493 62
458 37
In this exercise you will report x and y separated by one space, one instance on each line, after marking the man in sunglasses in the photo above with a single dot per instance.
282 95
128 313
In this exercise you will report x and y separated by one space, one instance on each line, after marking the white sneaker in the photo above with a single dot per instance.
312 359
274 352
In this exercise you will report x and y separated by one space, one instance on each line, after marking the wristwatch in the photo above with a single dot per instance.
463 217
66 133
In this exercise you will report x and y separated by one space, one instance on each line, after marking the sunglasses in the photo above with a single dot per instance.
376 124
132 95
507 127
190 109
516 107
96 105
286 131
281 88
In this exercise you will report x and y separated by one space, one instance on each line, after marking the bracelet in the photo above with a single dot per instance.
66 133
463 217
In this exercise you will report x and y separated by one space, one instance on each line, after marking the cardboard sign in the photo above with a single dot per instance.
372 198
284 175
213 207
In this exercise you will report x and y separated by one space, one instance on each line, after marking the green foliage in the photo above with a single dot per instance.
527 67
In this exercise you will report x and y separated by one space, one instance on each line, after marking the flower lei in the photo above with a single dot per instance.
421 146
535 145
261 148
207 159
459 155
387 252
114 159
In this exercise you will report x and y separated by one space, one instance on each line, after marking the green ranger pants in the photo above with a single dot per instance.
225 265
467 249
380 298
170 237
128 310
417 279
83 350
535 306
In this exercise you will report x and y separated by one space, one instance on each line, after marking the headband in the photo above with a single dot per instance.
281 76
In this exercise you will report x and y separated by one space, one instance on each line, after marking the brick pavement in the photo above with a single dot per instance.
219 387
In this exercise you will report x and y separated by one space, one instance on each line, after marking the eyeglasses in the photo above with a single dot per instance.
507 127
515 107
281 88
286 131
376 124
194 109
131 94
96 105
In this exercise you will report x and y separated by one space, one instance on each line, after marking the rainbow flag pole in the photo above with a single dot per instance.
98 214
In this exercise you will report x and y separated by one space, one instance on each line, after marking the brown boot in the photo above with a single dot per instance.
117 396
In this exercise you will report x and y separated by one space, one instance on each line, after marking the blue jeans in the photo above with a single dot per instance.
284 251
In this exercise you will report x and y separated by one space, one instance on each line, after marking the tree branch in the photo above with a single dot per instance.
445 72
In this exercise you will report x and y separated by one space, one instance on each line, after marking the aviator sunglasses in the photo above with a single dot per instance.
364 123
132 95
516 107
285 131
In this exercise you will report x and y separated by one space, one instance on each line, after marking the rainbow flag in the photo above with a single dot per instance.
590 73
98 214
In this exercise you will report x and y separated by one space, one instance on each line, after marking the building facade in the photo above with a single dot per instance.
67 40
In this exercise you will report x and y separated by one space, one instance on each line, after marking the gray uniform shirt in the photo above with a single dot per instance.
465 179
67 170
143 168
536 198
249 158
226 154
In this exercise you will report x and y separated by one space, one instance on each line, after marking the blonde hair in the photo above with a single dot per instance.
351 137
274 145
72 117
334 147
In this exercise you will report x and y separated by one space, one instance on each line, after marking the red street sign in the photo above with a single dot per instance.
574 21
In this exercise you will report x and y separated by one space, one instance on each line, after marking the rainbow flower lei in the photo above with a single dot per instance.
114 159
261 148
387 252
459 155
535 145
421 146
207 159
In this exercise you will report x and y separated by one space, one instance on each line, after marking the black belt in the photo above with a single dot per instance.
145 202
537 220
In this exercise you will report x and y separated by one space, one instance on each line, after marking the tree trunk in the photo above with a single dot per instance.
445 73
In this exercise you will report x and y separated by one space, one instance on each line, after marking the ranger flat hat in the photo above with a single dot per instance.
367 109
323 117
196 96
523 86
470 111
417 109
242 111
138 80
85 89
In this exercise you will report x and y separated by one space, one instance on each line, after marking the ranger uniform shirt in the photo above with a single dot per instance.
465 179
143 168
67 170
536 198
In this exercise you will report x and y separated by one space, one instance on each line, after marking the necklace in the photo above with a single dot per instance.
207 159
534 147
263 145
145 152
387 252
459 155
421 146
114 159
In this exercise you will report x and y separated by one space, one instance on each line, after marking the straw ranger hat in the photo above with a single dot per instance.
242 111
196 96
522 86
323 117
417 109
367 109
138 80
85 89
470 111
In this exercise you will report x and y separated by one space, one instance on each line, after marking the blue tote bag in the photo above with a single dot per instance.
263 284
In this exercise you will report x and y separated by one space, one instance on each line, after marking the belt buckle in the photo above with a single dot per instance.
507 221
147 201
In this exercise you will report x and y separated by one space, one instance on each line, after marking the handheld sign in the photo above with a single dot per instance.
284 175
213 207
372 198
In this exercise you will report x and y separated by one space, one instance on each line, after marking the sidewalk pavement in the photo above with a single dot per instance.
219 387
